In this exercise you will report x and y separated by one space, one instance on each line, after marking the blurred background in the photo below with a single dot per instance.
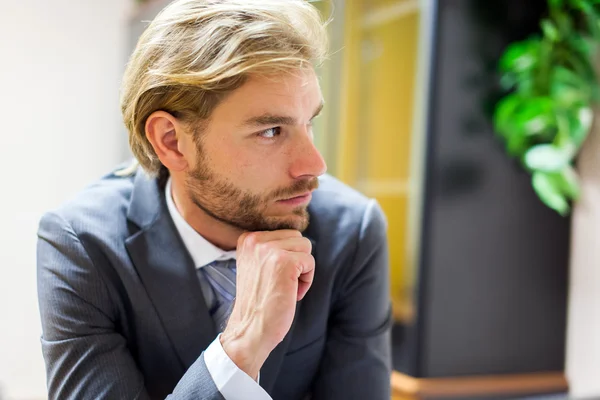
493 293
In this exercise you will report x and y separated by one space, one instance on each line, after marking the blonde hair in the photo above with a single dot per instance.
195 52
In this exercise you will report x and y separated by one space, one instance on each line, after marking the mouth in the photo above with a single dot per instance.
297 200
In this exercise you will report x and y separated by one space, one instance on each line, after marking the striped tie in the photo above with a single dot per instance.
221 277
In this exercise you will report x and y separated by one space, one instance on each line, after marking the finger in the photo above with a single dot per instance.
307 276
253 238
295 244
241 240
268 236
303 287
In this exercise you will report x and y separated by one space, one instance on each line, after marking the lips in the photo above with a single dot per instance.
297 196
297 200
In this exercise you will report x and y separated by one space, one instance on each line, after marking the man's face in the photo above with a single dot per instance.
257 164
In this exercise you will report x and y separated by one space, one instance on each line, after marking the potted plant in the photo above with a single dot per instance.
552 84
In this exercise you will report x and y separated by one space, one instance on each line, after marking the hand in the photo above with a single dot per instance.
274 271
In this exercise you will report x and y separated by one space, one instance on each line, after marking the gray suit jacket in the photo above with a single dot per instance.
123 314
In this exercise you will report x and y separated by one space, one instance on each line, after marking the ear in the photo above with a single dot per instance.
165 132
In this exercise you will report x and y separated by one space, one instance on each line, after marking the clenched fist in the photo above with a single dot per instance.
274 271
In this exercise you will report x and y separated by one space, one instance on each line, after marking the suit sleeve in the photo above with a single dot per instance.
356 363
85 355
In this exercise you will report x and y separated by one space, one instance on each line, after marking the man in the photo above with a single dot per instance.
197 274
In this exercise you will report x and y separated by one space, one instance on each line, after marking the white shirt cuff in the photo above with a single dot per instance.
232 382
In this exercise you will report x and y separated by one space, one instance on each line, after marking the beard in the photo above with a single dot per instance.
223 201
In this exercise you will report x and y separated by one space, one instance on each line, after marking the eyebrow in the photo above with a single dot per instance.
270 119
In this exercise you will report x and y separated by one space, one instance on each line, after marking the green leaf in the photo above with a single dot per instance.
556 3
522 83
567 76
535 116
546 158
567 182
590 15
567 96
517 144
504 114
584 46
563 21
508 81
550 30
520 57
568 88
546 190
580 123
580 64
526 85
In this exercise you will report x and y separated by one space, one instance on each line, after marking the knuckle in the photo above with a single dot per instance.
251 239
290 233
297 234
278 258
242 239
270 256
308 262
308 244
262 249
299 265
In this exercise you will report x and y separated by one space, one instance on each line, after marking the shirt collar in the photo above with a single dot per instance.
201 250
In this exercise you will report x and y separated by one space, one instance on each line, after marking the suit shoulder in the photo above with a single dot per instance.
336 195
103 203
337 205
339 194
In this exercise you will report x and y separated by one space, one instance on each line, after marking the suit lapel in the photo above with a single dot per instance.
168 272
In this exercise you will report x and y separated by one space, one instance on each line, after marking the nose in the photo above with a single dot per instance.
307 160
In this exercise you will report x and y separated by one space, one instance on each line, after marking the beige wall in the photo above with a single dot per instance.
583 332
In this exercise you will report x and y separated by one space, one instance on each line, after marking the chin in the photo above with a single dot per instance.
295 222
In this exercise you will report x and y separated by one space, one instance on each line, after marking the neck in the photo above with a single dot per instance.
219 233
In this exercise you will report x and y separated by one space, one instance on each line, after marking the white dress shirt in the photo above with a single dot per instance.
232 382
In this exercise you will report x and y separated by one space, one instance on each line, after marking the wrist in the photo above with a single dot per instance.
245 350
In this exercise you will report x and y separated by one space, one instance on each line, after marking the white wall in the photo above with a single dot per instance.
60 127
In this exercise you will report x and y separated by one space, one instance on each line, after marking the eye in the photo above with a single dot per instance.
271 133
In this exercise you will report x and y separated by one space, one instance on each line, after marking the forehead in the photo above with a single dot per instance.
295 94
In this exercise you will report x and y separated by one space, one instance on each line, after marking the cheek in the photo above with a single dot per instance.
256 168
263 174
228 162
244 171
